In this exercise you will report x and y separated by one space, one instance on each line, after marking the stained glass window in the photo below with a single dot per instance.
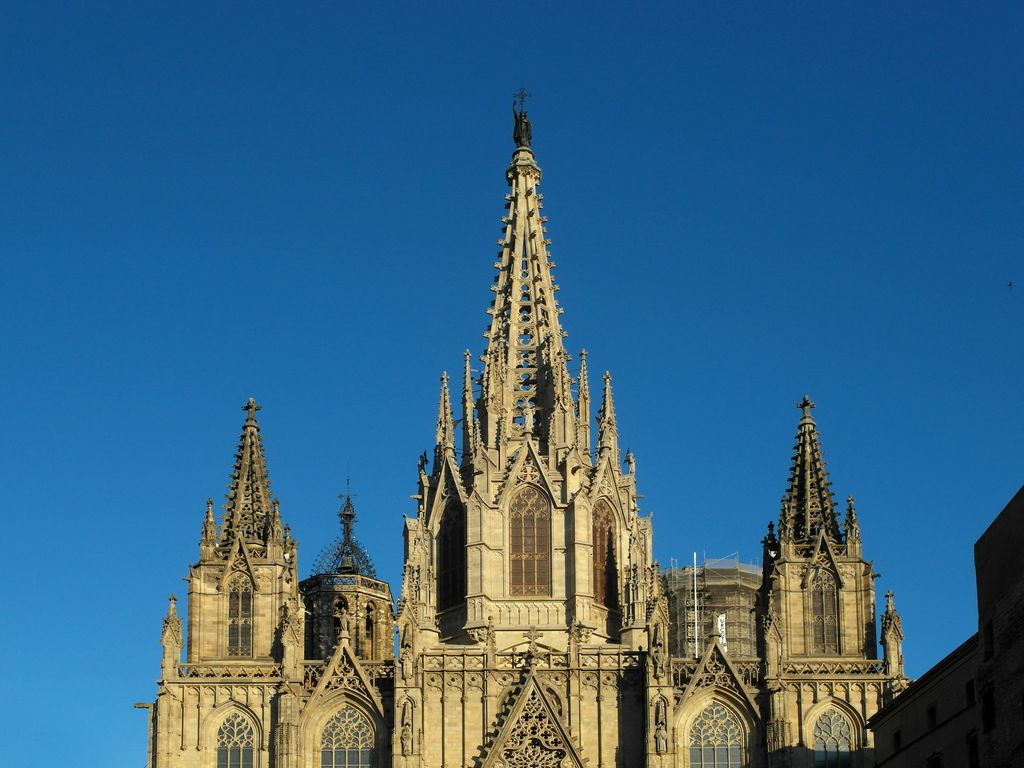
235 742
347 741
833 740
716 739
824 613
530 533
606 583
451 557
240 617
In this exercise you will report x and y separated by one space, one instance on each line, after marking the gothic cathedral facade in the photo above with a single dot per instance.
533 627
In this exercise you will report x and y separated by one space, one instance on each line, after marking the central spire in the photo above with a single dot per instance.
525 383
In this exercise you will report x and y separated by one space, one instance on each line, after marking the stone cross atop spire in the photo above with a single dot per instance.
808 505
249 506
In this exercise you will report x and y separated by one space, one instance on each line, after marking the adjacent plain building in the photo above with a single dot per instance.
968 710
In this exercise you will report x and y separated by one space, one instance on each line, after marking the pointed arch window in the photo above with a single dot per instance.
833 740
530 543
240 616
236 739
347 740
716 739
606 577
824 613
451 557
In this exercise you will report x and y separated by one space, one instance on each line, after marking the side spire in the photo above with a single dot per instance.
583 408
445 434
248 509
524 382
468 421
208 539
808 505
608 435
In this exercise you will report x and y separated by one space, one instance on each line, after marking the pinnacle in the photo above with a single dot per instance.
249 500
808 505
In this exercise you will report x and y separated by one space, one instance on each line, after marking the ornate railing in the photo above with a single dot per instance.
748 671
231 671
835 667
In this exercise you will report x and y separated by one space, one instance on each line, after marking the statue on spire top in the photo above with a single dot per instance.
522 131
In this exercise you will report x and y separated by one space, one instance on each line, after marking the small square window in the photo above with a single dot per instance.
897 741
969 693
930 716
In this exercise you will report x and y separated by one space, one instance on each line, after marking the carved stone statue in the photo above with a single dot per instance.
522 131
660 739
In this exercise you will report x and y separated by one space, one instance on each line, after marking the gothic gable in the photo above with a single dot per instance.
526 468
532 735
344 672
239 561
823 557
717 672
448 486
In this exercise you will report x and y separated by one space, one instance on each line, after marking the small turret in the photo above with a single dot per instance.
608 434
892 639
170 639
851 529
583 409
344 599
445 433
208 539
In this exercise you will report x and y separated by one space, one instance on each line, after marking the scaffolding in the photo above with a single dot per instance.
717 598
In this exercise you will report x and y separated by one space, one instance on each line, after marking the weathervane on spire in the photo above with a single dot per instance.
522 131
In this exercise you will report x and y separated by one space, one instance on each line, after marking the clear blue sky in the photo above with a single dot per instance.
747 201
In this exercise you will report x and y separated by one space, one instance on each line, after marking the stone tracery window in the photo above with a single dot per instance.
833 740
235 742
451 557
530 542
347 741
824 613
240 616
606 581
716 739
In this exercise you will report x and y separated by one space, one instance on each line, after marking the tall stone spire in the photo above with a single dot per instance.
808 505
526 385
248 511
